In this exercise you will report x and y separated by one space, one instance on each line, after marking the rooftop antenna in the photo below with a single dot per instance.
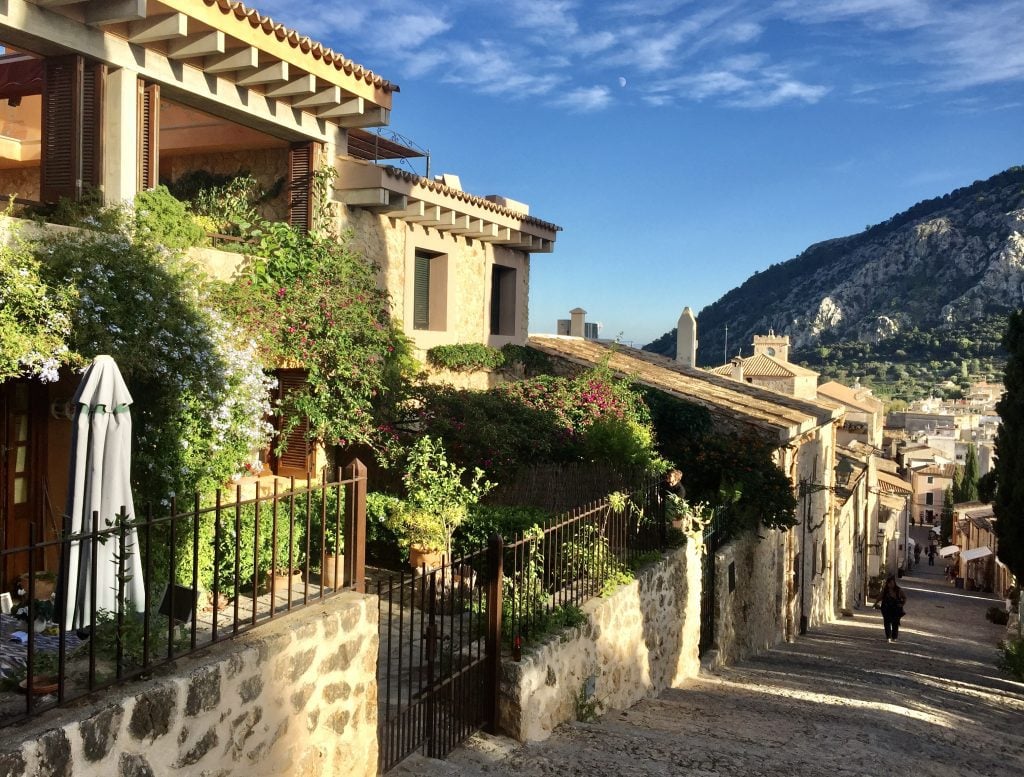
725 348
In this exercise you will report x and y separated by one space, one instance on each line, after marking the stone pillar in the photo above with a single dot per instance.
120 137
686 338
578 318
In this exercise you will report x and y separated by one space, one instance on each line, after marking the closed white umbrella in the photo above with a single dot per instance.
949 550
100 482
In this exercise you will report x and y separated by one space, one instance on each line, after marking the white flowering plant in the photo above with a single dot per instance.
34 316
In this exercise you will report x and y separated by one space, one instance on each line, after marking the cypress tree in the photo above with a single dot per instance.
1009 465
969 482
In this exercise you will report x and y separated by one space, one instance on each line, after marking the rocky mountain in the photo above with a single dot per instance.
945 264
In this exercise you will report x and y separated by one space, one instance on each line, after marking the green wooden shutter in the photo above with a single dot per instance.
421 293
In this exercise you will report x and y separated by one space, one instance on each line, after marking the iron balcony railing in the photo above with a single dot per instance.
209 576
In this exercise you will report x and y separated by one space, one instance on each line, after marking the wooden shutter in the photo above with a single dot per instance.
94 79
72 127
296 460
421 293
301 161
149 135
61 128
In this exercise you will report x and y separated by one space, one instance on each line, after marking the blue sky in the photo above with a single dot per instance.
685 144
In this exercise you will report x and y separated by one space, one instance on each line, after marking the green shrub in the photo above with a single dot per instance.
465 357
1012 657
487 520
160 219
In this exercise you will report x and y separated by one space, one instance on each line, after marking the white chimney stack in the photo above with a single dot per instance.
737 368
686 339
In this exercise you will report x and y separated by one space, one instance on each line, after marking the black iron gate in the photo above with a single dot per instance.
712 541
439 658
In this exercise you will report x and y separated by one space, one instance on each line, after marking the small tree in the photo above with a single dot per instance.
1009 465
438 497
969 481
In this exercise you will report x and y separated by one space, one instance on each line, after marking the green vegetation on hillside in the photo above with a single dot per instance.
914 364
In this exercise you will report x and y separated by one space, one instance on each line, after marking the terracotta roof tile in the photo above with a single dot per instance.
439 188
765 366
303 43
785 417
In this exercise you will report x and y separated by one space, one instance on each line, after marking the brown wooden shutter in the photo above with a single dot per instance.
94 79
301 161
296 460
149 135
61 128
72 127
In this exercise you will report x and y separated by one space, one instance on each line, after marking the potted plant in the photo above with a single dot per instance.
438 497
45 673
326 542
43 611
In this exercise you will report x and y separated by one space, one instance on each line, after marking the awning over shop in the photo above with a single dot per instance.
949 550
971 554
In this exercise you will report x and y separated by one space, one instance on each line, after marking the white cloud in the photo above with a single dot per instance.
411 30
744 87
488 67
586 99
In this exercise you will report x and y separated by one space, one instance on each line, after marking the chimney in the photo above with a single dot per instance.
737 368
578 317
686 339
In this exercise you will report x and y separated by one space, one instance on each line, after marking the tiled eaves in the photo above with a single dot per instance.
437 187
303 43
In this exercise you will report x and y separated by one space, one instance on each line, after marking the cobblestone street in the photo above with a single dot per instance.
840 701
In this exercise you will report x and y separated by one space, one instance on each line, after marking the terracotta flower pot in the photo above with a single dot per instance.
333 571
428 557
283 582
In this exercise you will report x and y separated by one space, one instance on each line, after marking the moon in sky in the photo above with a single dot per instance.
622 81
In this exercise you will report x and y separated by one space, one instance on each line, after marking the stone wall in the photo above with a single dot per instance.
636 643
268 166
752 616
296 697
391 243
21 182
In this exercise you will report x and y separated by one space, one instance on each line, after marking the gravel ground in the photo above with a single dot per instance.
840 701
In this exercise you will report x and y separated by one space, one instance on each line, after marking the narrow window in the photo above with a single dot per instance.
421 292
503 300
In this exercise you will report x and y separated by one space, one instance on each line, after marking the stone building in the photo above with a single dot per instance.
793 571
115 98
769 367
864 417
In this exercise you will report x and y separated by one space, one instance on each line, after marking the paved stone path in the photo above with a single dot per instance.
841 701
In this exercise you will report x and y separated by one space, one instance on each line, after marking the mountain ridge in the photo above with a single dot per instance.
946 263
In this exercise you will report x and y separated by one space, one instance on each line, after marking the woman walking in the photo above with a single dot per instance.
891 601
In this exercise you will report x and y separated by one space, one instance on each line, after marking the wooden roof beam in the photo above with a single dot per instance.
244 59
100 12
374 117
156 28
201 45
299 87
274 73
354 107
329 96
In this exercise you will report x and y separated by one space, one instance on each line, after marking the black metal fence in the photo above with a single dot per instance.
210 573
575 557
439 656
443 630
